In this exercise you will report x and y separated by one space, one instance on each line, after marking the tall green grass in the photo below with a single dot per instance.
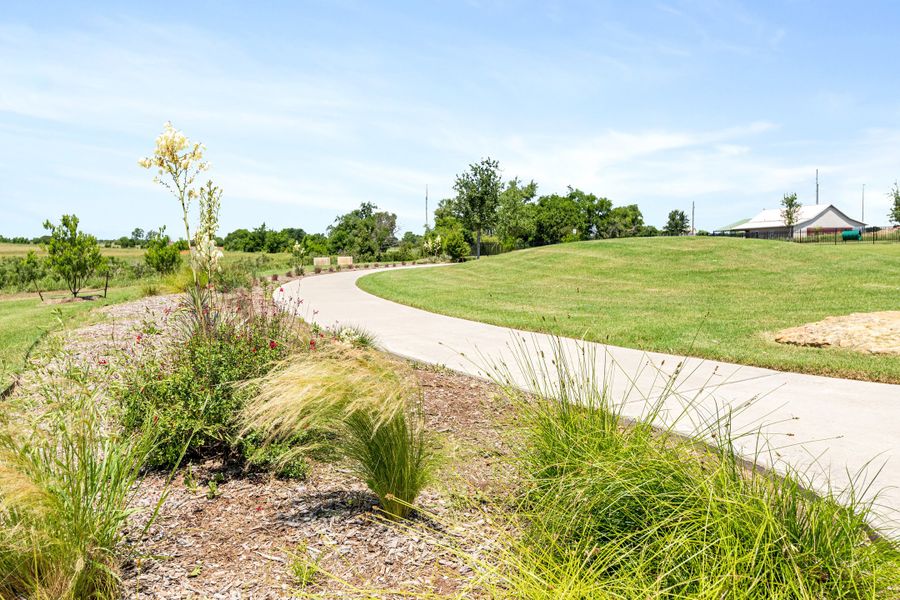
618 509
369 402
65 488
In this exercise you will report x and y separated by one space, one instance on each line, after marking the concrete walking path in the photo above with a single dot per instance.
831 427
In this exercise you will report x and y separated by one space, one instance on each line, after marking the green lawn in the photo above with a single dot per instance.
711 297
23 321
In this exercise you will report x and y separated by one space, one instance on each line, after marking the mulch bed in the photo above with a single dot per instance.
239 542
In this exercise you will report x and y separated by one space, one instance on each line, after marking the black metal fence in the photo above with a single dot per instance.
870 235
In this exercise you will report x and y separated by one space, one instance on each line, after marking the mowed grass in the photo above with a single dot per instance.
24 321
709 297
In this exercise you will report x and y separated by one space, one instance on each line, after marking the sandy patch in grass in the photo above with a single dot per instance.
874 333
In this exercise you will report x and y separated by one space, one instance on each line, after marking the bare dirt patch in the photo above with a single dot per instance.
873 333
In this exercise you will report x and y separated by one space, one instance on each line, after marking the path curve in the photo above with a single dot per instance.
826 425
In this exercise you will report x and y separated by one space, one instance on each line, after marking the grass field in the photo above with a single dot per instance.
710 297
25 320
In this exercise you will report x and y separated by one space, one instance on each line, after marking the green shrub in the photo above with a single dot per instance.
233 277
455 245
192 389
66 487
370 403
162 256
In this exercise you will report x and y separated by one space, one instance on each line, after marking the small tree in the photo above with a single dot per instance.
298 257
161 256
677 224
29 270
477 196
72 254
894 196
790 211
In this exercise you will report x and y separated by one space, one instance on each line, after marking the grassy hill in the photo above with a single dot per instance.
710 297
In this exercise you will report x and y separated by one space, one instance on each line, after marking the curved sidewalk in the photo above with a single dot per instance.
826 425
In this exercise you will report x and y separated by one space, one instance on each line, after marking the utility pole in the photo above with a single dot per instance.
863 218
817 186
426 207
693 229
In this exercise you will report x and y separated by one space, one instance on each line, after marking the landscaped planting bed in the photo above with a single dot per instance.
546 494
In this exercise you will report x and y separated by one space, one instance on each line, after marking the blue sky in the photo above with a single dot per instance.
310 108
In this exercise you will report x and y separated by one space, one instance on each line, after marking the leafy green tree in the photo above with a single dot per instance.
364 232
29 270
894 196
594 214
790 211
556 219
161 255
515 214
72 254
677 224
624 221
477 197
138 237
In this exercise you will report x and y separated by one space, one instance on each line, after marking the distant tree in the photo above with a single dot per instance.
364 232
72 254
293 234
138 236
239 240
515 214
790 211
125 242
557 219
161 255
623 221
677 223
477 197
316 244
894 196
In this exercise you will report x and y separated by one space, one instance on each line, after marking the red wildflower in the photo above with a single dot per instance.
254 351
281 289
139 338
102 361
312 344
273 344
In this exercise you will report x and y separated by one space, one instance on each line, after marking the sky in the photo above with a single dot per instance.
310 108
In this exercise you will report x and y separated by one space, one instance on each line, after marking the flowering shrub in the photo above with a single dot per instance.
193 390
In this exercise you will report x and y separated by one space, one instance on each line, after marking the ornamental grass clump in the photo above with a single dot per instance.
370 405
66 487
615 508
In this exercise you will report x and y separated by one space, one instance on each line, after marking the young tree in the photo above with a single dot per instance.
790 211
477 197
138 237
161 256
894 196
29 270
677 223
72 254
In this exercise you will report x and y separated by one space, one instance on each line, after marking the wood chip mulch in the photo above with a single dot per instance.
240 542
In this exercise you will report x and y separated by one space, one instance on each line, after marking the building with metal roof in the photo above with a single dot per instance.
814 218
